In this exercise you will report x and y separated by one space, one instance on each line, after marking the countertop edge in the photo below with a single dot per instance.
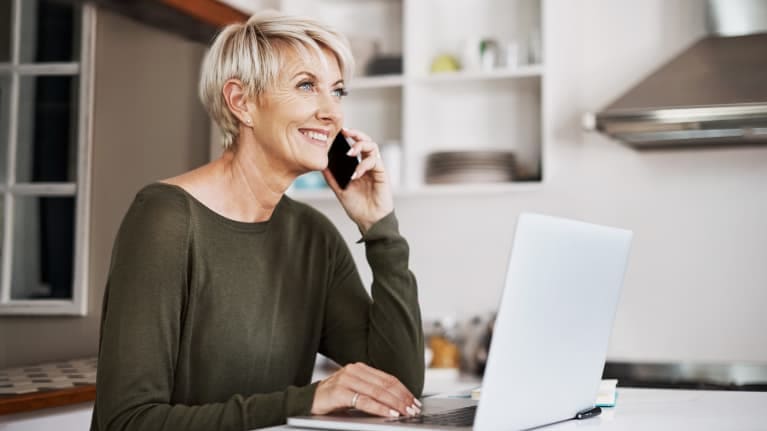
43 400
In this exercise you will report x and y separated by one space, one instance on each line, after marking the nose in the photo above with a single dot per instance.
329 110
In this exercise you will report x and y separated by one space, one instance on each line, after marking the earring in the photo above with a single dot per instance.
247 120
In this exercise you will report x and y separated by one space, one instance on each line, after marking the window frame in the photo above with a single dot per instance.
80 190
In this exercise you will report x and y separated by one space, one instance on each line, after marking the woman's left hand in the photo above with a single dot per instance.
368 196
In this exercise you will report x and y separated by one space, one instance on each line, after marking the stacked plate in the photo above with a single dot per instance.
457 167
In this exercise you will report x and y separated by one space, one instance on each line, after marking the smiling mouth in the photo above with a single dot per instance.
315 136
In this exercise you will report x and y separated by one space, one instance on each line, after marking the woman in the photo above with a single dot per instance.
222 289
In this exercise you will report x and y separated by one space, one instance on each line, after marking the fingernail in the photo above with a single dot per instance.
350 152
418 403
410 411
354 175
416 410
394 413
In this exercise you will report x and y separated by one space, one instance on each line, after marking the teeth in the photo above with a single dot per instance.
316 135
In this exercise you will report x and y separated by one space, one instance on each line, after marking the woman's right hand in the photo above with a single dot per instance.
379 393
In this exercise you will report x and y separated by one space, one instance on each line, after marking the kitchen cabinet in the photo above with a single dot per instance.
197 20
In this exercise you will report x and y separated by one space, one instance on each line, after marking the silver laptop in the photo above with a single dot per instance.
550 338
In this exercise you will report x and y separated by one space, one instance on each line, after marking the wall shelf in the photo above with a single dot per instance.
527 71
431 190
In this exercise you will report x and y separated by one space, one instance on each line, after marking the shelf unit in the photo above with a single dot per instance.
526 71
432 190
471 109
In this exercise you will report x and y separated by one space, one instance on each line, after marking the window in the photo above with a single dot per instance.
45 60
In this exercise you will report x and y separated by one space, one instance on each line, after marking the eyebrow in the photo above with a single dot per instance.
313 76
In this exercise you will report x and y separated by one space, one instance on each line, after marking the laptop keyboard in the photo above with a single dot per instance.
462 417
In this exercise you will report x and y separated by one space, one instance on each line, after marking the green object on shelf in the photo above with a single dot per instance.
445 63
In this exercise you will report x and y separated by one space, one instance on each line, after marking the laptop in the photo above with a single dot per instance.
550 338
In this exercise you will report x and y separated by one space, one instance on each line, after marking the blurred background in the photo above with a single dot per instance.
646 115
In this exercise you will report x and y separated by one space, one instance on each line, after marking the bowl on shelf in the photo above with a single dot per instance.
310 181
470 167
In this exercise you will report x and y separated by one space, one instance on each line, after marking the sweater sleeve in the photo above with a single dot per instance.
385 332
142 318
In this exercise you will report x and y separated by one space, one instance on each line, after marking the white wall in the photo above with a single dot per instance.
695 289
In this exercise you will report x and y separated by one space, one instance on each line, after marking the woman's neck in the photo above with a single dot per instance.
255 184
243 184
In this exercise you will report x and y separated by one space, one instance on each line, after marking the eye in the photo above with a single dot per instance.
306 86
340 92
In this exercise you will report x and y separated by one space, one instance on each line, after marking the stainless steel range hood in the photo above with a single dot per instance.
715 92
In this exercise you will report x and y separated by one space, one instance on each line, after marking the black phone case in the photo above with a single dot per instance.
340 165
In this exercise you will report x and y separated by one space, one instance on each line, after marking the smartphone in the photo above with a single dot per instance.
340 165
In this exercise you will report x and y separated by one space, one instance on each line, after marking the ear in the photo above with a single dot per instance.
237 102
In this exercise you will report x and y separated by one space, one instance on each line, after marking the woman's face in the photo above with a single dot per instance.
296 120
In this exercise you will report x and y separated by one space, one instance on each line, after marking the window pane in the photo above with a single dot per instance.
5 112
43 247
47 145
50 31
5 30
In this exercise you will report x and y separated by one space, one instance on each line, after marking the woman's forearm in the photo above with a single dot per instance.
396 332
149 412
387 331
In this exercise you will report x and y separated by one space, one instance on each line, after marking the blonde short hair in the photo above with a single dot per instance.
251 52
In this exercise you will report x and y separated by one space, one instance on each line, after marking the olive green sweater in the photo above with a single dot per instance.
213 324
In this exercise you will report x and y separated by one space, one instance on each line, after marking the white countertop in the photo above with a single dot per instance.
666 409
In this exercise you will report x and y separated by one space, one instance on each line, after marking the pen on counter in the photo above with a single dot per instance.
588 413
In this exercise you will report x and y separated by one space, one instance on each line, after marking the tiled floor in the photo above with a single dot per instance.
47 377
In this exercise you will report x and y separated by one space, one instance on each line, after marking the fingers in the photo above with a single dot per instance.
391 383
366 149
367 164
381 387
356 135
377 393
373 407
